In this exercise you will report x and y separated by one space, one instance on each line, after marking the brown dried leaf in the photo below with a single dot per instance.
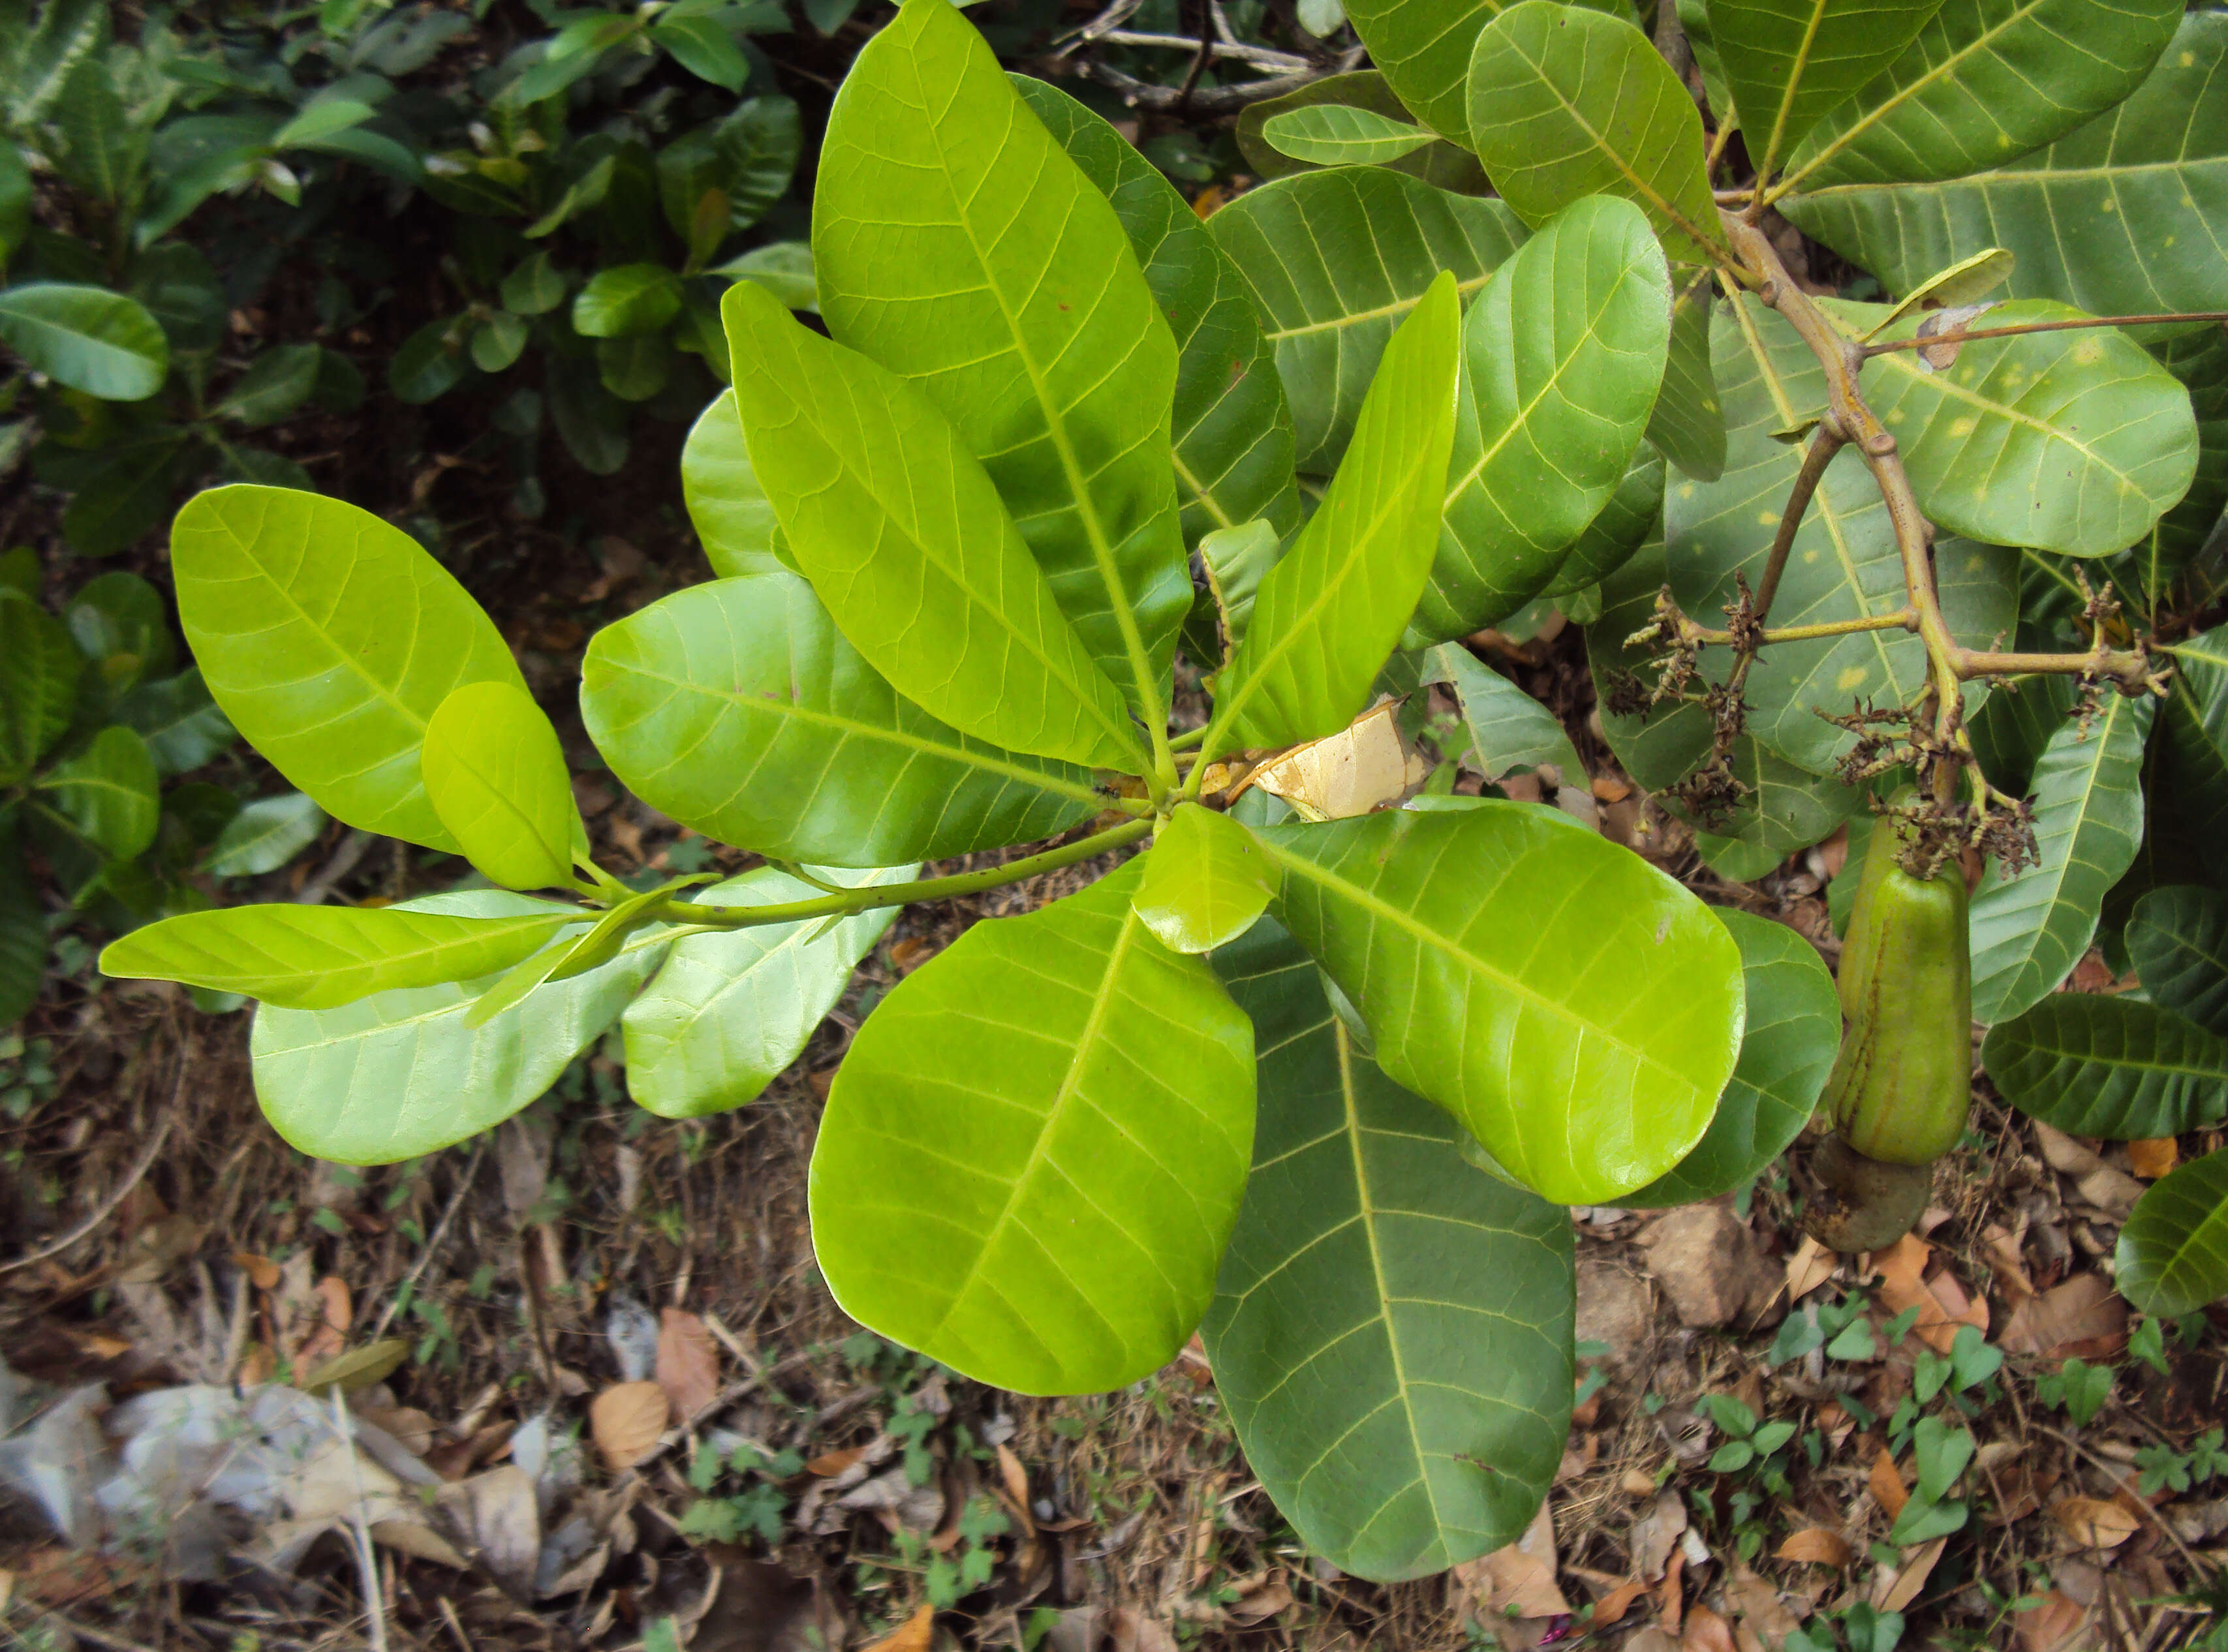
911 1636
1897 1586
1887 1485
262 1272
2062 1153
2083 1316
2152 1159
1655 1536
625 1421
358 1367
688 1364
1518 1580
2054 1623
2001 1252
2094 1522
829 1464
1810 1266
1706 1632
1818 1546
1612 1606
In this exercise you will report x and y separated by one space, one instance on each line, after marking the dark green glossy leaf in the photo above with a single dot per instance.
1575 1008
1985 81
1566 103
1508 729
738 708
109 789
2117 218
2177 940
183 726
88 339
118 623
1619 529
1689 422
2029 931
999 1184
1786 62
1392 1328
2173 1255
22 934
1792 1032
40 670
1335 260
2074 442
1562 357
2111 1067
264 836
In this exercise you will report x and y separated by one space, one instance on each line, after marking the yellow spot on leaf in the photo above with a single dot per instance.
1961 427
2088 351
1852 679
1768 518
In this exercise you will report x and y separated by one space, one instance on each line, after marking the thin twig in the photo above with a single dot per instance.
1961 335
122 1190
433 1244
1258 56
366 1562
87 1632
1215 100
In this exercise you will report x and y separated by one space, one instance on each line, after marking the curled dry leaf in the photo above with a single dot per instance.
2054 1623
688 1364
1810 1266
1612 1606
1706 1632
1942 1304
1817 1546
1518 1580
262 1272
625 1421
1655 1535
2094 1522
1897 1586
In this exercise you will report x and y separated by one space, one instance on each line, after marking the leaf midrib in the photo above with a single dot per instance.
776 706
1087 505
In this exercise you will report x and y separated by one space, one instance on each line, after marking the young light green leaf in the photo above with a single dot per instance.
2177 940
626 299
319 957
2060 211
1331 609
1237 560
1508 729
1619 529
2173 1254
109 788
991 1141
1789 61
738 708
1575 1008
573 955
1563 354
2114 1067
1843 564
1391 1329
1336 260
1340 135
2073 441
1424 48
729 509
329 638
1967 95
397 1075
496 777
1689 422
1444 164
2029 931
1792 1032
783 268
936 589
40 670
1566 103
1967 281
1232 431
959 247
88 339
265 834
1205 882
728 1011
